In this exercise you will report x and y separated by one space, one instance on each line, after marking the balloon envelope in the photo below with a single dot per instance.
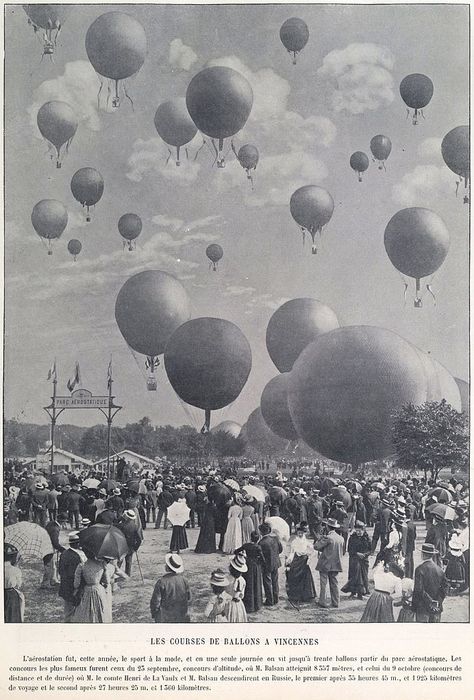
57 122
74 246
214 252
47 16
455 149
130 226
345 387
173 123
229 427
116 45
416 90
248 156
464 391
258 435
49 218
293 326
87 186
380 147
274 407
359 161
208 361
446 386
294 34
311 207
149 308
219 100
416 241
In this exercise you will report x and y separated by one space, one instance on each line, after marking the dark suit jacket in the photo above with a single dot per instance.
331 548
271 549
53 528
68 563
106 517
429 578
169 602
409 545
384 517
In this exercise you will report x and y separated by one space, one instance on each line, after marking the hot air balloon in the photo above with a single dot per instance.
258 436
130 227
311 207
74 247
293 326
149 308
441 384
174 125
87 186
417 242
464 391
274 407
294 35
416 91
229 427
49 219
455 149
208 361
214 252
359 163
57 123
380 147
247 156
116 48
345 388
50 18
219 100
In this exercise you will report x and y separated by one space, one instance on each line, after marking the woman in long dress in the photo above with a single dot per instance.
388 587
93 577
236 609
253 596
406 612
179 537
358 547
114 572
299 580
14 600
248 522
206 543
233 533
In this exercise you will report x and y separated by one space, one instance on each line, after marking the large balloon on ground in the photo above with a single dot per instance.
293 326
149 308
229 427
446 386
208 361
417 242
219 100
294 35
311 207
345 388
258 436
116 47
464 391
274 407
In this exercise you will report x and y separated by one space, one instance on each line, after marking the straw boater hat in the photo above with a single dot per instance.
174 562
455 549
219 578
332 522
130 514
239 563
39 485
202 488
73 537
85 522
116 492
429 549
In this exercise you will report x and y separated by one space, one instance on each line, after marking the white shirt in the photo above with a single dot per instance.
387 582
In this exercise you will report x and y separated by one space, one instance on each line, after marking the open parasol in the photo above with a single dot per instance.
255 492
279 526
31 540
443 495
442 510
178 513
231 483
104 541
60 479
108 484
91 483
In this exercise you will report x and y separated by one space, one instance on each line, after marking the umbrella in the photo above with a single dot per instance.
91 483
262 488
280 526
231 483
378 485
354 486
445 485
276 491
104 541
31 540
327 484
60 479
338 493
108 484
133 485
443 495
255 492
178 513
442 510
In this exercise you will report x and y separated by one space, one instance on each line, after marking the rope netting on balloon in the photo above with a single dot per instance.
420 294
114 90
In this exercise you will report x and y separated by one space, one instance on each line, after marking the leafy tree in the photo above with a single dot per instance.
432 436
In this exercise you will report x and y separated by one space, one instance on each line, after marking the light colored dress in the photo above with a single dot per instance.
235 608
96 604
216 609
233 533
248 524
14 600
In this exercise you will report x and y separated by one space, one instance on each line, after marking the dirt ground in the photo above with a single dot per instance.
131 601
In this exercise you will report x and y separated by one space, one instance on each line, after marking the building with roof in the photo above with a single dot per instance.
62 459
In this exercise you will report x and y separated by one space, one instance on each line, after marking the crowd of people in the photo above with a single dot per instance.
263 524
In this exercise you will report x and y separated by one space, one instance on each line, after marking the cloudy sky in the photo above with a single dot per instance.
306 121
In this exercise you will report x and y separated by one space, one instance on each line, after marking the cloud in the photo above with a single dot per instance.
180 55
361 77
238 291
423 186
202 223
430 149
167 222
78 86
149 158
276 178
264 301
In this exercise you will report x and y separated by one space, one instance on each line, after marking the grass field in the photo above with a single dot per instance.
131 601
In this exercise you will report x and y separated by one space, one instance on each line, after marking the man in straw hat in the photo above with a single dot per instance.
171 595
329 563
430 587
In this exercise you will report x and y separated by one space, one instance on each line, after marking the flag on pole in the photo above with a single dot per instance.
52 372
109 374
75 379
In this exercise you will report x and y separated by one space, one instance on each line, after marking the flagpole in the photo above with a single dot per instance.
53 417
109 416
